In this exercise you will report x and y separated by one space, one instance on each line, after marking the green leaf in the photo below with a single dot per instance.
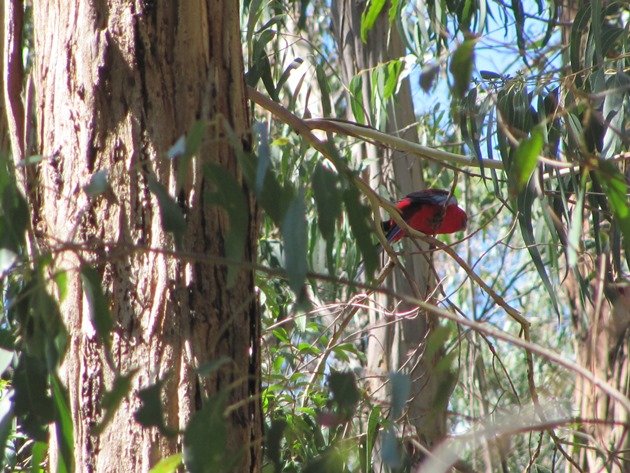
112 399
392 74
61 281
32 404
297 62
327 199
371 433
614 184
169 464
150 414
274 198
295 237
394 10
356 98
7 339
63 426
261 67
173 220
575 231
14 213
273 440
225 191
596 30
39 454
359 219
524 202
525 159
205 439
519 23
615 112
100 315
343 387
369 17
461 67
576 48
324 89
264 154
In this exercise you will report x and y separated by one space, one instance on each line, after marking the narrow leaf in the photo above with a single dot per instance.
169 464
575 231
359 219
356 98
525 201
31 401
369 17
264 154
327 199
63 426
295 237
273 440
616 189
371 433
205 439
525 158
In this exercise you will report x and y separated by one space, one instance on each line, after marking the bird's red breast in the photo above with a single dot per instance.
430 211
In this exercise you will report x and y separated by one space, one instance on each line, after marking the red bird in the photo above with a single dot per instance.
430 211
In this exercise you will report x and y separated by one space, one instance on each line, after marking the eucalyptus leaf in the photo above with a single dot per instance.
170 464
63 426
525 159
369 17
295 237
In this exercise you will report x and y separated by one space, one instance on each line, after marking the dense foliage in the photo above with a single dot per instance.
530 100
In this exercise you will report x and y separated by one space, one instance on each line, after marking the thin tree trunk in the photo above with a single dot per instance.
117 83
602 345
399 346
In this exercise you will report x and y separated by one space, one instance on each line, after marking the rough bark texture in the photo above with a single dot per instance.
117 83
395 347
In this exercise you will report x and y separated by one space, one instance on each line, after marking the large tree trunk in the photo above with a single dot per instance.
399 346
601 324
117 83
